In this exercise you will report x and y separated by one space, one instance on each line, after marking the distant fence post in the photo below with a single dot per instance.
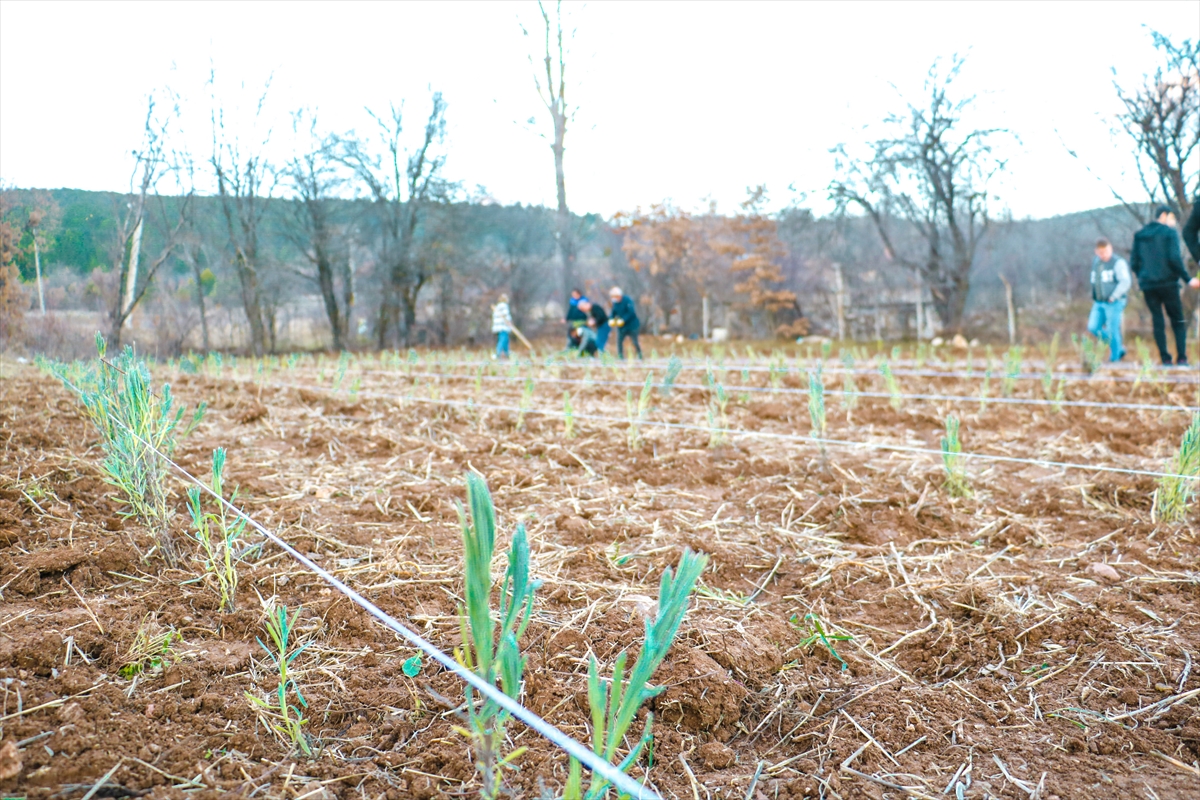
1012 312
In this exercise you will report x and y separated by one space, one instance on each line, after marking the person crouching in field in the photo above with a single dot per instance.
1110 291
1156 260
502 325
625 320
597 320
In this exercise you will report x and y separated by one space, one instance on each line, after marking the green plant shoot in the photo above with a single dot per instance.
614 703
492 654
217 533
279 714
956 474
138 432
1177 491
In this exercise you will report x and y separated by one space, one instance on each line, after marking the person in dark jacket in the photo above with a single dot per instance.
1191 231
625 319
597 321
1158 264
575 317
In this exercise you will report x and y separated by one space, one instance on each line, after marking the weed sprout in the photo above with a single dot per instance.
149 651
815 632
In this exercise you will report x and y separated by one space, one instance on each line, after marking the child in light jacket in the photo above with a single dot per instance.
501 325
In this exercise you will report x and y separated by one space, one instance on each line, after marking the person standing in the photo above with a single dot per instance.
1156 260
597 321
1191 231
502 325
1110 291
625 319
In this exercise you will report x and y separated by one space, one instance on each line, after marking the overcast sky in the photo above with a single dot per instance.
677 101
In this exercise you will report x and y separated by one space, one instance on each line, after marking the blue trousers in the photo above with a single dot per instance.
502 344
1105 322
602 336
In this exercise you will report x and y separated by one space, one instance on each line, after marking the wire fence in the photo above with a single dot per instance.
950 398
843 443
1118 374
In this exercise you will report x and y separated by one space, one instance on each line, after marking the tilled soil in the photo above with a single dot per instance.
1036 639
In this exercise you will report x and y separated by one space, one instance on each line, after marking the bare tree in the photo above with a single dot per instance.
314 179
402 185
152 161
1162 116
245 182
932 178
554 96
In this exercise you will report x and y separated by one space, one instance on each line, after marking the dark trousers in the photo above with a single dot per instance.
1166 298
632 335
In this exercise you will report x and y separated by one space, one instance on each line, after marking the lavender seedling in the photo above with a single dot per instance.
217 533
279 713
1177 491
956 475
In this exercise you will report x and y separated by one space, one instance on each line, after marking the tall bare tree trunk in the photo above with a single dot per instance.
248 278
566 233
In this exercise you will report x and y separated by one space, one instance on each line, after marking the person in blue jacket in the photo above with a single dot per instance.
624 318
1158 264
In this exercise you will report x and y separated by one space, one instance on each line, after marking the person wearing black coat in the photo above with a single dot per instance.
1158 264
1191 231
625 319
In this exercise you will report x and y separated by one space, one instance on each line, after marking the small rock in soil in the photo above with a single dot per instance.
1104 572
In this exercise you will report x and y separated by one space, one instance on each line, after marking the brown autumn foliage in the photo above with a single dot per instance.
732 260
13 300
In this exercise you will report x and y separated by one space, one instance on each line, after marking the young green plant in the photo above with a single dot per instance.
815 632
674 367
217 533
568 415
614 703
1177 491
956 473
492 654
526 403
637 413
1012 369
138 429
893 386
849 387
717 419
278 713
816 410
